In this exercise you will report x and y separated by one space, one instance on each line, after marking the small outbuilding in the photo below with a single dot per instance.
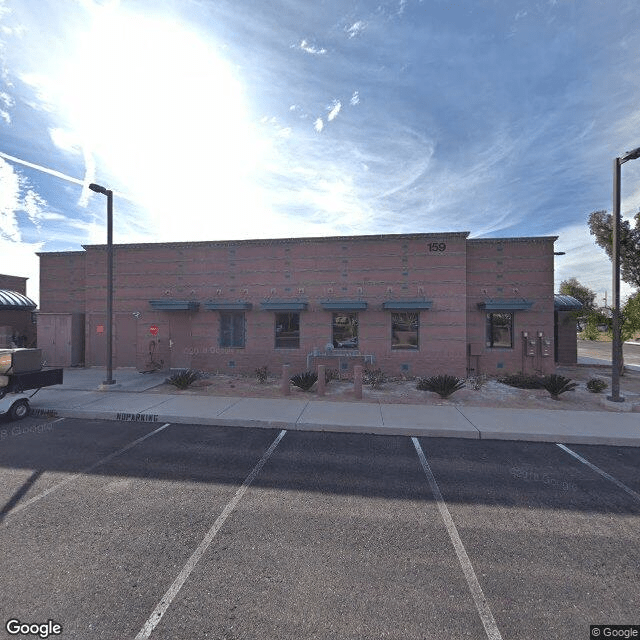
566 309
16 312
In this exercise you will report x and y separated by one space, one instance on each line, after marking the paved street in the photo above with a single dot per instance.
593 351
129 530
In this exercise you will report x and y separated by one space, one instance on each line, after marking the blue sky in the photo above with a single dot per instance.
242 119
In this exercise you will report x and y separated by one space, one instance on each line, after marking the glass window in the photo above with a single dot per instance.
232 329
287 330
500 330
345 330
404 330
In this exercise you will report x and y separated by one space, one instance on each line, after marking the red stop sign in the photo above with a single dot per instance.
153 330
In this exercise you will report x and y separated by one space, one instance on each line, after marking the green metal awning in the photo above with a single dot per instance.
407 305
343 305
283 305
14 301
228 306
174 305
504 304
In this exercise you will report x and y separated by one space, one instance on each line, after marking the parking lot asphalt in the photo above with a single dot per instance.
128 530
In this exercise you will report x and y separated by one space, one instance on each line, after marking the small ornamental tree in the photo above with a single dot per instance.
572 287
601 226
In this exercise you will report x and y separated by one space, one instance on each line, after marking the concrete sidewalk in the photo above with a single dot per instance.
83 396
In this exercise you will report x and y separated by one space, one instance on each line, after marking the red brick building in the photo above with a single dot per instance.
16 326
412 304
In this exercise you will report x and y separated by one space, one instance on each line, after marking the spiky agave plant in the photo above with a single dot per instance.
556 384
304 380
443 385
182 379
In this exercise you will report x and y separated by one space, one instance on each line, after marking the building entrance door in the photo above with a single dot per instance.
124 337
180 340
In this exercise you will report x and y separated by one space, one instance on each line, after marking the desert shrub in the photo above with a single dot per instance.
374 377
331 374
184 378
443 385
522 381
262 373
477 382
304 380
556 385
596 385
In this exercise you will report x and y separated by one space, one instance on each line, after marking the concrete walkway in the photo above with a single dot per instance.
83 396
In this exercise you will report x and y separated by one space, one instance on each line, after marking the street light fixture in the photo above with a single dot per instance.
107 192
616 348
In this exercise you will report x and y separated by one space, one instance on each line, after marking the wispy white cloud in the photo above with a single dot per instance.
356 28
10 202
318 125
305 46
17 196
65 140
355 99
334 110
8 102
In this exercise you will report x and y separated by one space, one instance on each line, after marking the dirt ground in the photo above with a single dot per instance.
490 394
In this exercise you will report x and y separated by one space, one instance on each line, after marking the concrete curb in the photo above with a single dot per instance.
474 431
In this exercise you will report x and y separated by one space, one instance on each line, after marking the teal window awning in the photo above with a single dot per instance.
228 306
407 305
284 305
566 303
174 305
505 304
343 305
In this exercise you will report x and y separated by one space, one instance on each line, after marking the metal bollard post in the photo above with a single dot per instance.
285 386
321 379
357 381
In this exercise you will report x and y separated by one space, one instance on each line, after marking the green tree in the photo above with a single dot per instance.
572 287
629 323
601 226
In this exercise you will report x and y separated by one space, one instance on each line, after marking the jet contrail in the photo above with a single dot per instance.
53 172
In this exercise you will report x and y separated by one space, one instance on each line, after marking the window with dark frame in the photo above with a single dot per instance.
344 330
287 330
500 330
404 330
232 329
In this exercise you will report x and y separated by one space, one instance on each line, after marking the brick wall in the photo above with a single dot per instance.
447 270
516 269
14 283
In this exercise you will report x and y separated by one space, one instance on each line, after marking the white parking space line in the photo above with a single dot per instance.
172 592
604 474
490 626
55 487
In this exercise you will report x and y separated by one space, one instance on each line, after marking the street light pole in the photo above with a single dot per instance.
616 347
107 192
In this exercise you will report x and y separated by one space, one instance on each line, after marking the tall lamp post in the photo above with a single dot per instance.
107 192
616 349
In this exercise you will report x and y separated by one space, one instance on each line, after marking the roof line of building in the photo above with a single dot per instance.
313 239
300 240
516 239
61 253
